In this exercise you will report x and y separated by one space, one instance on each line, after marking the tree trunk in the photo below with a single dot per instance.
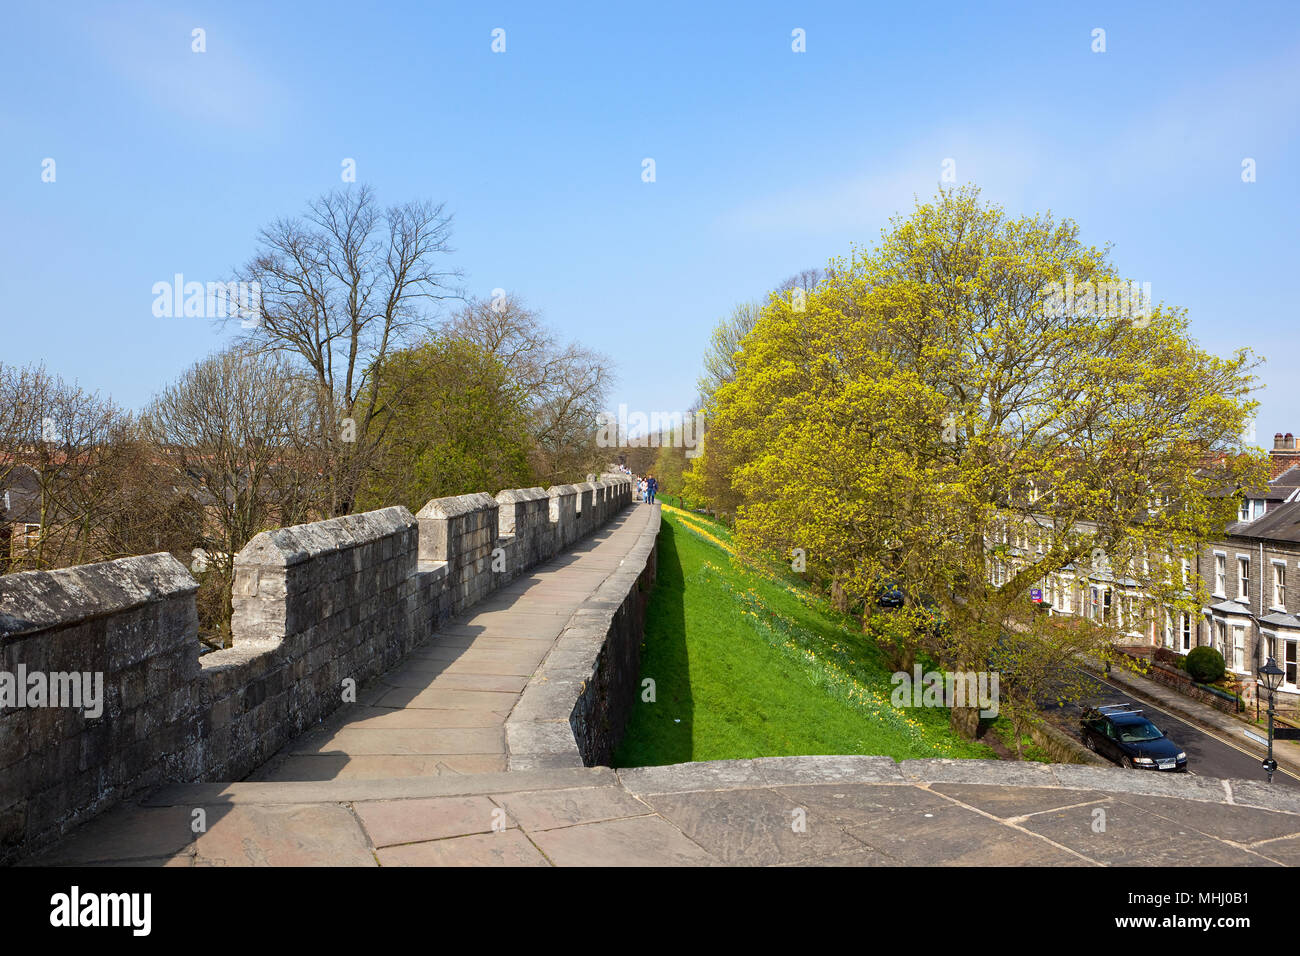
839 599
965 720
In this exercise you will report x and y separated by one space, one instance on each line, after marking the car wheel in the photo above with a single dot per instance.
1090 744
1126 763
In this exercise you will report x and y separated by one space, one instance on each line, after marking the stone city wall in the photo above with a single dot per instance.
318 608
575 709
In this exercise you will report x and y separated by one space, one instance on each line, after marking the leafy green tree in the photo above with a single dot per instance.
935 390
669 465
456 422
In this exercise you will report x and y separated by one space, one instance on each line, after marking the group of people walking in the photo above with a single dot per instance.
646 489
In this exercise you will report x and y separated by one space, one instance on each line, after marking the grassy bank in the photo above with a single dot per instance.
747 663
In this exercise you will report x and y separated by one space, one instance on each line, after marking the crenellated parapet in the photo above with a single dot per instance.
318 609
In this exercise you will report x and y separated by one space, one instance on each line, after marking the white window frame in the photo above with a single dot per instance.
1220 574
1243 578
1277 646
1279 567
1239 648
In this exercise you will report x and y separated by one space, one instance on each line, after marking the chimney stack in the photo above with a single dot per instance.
1283 455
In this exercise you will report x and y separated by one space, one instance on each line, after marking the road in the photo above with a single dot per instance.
1208 754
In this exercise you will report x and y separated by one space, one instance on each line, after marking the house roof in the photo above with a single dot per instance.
1281 519
1281 522
1278 619
1231 607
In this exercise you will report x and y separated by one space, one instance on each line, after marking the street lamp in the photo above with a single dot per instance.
1270 675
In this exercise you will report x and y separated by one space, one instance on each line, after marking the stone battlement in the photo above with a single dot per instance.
318 608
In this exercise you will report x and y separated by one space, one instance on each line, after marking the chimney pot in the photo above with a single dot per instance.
1277 440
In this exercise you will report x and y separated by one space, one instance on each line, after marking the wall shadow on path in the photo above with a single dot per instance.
662 732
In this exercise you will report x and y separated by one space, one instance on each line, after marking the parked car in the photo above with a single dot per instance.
890 596
1120 733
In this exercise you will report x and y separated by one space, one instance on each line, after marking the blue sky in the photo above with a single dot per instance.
767 161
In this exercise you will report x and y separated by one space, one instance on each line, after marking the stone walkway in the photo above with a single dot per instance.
443 710
840 811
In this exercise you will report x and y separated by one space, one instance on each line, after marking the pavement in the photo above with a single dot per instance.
443 710
778 811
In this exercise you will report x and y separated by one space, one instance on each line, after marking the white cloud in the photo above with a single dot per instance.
150 49
1000 162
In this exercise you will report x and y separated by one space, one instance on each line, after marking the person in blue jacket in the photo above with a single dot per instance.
651 486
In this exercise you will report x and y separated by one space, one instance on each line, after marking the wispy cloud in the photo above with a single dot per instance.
151 50
1000 162
1206 128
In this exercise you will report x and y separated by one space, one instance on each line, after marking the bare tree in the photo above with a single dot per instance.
78 469
340 287
21 397
68 441
805 280
565 385
722 354
236 431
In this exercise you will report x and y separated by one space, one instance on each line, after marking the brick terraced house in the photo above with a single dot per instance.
1251 573
1253 576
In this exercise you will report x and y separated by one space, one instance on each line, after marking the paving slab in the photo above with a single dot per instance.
441 679
1014 802
1242 825
482 662
361 741
955 836
549 809
438 698
864 804
753 827
1284 852
125 833
506 848
418 718
288 835
351 791
390 822
639 841
1129 836
322 767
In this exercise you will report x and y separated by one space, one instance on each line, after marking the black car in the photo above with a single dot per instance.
1125 736
890 596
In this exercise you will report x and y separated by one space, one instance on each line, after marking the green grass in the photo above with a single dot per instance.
748 663
1030 750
